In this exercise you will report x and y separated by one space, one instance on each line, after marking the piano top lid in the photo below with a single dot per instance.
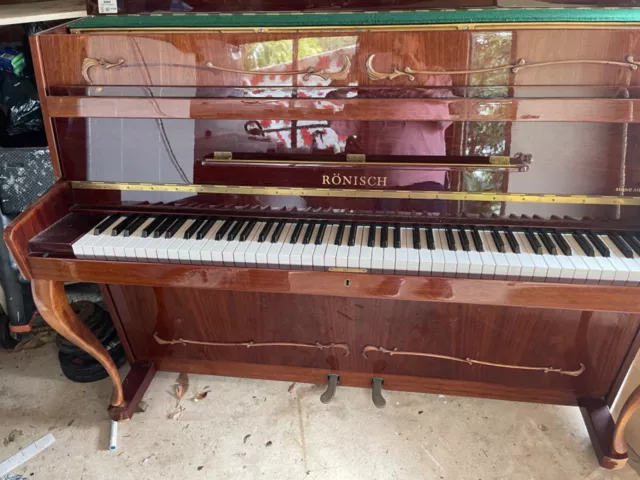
365 20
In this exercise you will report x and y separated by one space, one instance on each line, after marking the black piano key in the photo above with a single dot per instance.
193 228
352 234
174 227
495 234
265 231
511 239
309 233
477 239
586 246
296 232
235 230
451 241
633 242
384 235
464 240
320 235
246 231
224 228
149 229
278 231
371 240
166 223
533 241
562 243
339 234
397 236
621 244
204 229
135 225
120 227
431 241
416 237
106 223
599 244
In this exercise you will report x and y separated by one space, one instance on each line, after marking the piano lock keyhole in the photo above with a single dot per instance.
347 283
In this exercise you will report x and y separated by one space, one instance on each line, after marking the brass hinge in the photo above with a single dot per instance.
499 160
222 156
356 158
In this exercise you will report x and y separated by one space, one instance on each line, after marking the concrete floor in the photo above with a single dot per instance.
249 429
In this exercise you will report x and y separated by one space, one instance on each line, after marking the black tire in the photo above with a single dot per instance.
85 371
6 340
109 343
95 318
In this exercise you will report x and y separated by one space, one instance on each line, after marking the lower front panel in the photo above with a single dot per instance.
528 348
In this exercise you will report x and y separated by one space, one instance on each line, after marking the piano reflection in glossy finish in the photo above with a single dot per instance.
412 208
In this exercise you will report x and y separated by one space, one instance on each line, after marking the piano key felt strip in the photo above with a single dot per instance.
470 361
361 20
251 343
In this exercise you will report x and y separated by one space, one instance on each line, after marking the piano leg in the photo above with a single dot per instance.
51 300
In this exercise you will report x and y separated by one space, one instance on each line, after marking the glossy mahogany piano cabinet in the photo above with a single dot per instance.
433 201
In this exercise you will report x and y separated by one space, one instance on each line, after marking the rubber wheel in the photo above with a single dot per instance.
6 340
81 370
109 344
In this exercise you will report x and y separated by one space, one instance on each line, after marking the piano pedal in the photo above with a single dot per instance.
330 392
376 392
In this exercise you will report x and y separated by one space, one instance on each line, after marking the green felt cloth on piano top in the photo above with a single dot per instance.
345 19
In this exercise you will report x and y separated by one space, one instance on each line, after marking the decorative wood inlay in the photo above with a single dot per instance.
471 361
251 344
88 63
520 64
306 74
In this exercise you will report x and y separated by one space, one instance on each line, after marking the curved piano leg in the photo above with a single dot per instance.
619 445
51 300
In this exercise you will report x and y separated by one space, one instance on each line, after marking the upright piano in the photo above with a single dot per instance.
438 201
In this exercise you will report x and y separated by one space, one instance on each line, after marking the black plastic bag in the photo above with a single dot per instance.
20 105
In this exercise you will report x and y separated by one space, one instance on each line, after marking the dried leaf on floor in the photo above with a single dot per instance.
200 396
246 437
291 387
182 385
176 414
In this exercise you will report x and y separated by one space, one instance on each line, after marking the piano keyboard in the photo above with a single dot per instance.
451 251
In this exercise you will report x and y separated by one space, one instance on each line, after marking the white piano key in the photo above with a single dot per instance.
594 270
200 251
621 275
77 246
462 257
501 265
488 262
207 251
331 251
135 239
633 266
365 250
353 260
450 260
608 276
377 253
253 246
526 262
475 259
424 255
437 255
274 251
580 268
284 255
554 271
413 254
298 248
567 268
515 267
342 257
309 249
173 251
321 249
389 254
401 253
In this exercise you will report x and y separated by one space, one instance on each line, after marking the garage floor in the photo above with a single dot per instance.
249 429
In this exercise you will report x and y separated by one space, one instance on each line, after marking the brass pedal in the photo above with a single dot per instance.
376 392
330 392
